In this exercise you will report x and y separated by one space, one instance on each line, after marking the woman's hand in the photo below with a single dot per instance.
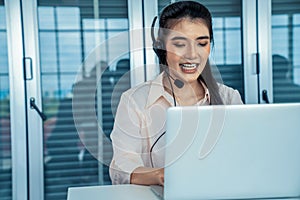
147 176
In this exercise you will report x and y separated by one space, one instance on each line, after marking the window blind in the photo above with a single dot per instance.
5 133
286 50
5 148
217 7
107 8
285 7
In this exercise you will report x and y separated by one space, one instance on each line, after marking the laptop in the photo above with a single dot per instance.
232 152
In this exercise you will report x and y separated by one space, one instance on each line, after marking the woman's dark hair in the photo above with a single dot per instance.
192 10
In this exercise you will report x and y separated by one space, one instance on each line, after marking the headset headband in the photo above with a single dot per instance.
152 30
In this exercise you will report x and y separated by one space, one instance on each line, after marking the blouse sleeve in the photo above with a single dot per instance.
229 95
235 98
126 141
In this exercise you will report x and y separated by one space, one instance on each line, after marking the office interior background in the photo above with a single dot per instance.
49 47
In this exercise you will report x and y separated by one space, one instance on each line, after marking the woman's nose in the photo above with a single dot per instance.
191 52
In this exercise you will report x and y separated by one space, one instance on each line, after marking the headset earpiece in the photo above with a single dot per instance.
157 46
160 52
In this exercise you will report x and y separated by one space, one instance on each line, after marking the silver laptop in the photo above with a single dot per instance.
232 152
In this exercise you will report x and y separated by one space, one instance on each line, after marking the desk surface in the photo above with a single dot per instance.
112 192
116 192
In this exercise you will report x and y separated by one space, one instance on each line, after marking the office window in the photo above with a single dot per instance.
70 34
286 51
5 134
226 53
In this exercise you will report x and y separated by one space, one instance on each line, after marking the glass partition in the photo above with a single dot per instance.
80 60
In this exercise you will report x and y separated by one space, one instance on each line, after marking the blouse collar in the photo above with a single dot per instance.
157 91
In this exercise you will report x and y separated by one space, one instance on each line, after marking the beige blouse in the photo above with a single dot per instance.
141 119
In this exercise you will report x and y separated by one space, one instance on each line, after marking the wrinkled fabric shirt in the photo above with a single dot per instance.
141 119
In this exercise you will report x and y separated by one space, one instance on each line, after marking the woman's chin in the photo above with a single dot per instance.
190 78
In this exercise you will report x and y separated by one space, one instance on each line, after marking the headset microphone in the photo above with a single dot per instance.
179 84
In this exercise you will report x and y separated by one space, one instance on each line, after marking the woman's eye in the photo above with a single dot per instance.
203 44
179 45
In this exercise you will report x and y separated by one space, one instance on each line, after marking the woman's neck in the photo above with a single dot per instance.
190 94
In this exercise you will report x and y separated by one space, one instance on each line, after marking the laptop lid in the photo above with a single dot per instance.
236 151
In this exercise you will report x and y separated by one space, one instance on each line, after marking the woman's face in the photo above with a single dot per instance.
188 48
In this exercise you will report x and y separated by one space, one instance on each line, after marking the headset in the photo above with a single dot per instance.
158 46
160 51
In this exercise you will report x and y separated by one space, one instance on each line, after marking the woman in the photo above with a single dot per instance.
184 39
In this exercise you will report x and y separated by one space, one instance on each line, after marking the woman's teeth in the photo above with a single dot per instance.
188 66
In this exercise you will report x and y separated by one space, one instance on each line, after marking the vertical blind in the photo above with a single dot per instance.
69 32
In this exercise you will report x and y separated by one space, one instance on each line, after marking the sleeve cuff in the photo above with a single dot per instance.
120 174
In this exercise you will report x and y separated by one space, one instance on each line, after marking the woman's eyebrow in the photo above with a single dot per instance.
202 38
178 38
184 38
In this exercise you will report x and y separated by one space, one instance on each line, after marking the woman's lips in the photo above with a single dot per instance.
189 68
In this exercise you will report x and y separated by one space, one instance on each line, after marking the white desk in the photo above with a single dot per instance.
119 192
109 192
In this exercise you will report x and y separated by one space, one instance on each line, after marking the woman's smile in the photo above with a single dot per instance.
189 68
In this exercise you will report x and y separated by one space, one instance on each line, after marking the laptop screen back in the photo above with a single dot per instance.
242 151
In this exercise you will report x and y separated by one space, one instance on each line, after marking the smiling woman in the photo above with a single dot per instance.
183 47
